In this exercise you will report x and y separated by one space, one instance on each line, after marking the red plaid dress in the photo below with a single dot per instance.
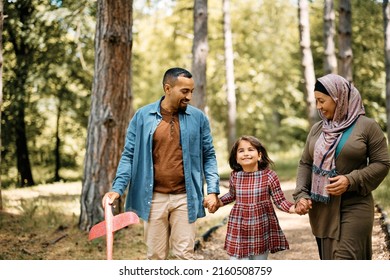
253 226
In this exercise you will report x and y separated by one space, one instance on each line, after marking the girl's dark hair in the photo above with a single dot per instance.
265 161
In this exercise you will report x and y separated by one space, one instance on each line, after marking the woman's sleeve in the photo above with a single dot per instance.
369 178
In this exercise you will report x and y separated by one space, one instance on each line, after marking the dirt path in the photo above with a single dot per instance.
297 231
65 241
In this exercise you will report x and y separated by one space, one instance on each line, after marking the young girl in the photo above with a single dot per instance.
253 228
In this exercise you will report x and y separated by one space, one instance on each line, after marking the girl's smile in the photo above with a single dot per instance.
248 156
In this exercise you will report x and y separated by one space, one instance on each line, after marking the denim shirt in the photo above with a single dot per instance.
135 169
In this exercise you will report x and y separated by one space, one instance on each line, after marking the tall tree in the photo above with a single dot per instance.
330 59
111 105
307 60
345 40
386 19
229 70
1 84
199 53
23 17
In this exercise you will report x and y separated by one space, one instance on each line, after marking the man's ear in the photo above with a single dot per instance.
167 88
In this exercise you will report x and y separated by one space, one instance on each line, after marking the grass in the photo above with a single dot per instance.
41 223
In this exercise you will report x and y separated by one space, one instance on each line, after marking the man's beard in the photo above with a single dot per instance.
183 109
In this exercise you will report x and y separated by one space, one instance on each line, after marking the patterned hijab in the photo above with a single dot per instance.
349 107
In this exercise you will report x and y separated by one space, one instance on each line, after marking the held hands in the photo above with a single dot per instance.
291 210
212 202
338 185
303 206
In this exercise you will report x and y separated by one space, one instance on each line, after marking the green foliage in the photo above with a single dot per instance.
367 48
268 79
368 57
57 82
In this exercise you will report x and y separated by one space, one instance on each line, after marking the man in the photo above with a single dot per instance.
168 152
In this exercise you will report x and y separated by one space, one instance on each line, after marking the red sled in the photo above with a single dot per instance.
111 224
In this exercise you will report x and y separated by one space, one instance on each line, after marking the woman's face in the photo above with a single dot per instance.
325 104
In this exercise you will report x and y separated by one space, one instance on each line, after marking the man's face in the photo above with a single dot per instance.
179 95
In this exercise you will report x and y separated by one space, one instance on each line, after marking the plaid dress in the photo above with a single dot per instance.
253 226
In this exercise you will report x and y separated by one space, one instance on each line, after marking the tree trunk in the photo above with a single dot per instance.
307 60
199 54
229 68
386 19
58 141
330 59
22 156
345 40
1 85
110 108
24 53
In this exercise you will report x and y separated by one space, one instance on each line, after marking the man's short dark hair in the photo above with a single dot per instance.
172 74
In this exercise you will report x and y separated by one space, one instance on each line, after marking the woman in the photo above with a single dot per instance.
345 158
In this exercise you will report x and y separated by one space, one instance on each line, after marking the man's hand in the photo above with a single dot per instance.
211 201
111 196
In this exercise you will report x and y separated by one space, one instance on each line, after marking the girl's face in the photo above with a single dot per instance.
325 104
247 156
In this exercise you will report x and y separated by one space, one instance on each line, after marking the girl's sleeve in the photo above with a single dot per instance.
231 195
277 194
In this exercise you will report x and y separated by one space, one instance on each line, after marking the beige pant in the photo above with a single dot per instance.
168 227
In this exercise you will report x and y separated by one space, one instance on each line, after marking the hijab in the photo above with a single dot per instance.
349 107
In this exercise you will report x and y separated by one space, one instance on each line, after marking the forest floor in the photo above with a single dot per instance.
40 223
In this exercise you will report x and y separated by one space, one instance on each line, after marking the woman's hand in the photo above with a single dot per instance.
338 185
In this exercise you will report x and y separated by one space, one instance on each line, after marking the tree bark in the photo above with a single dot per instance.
345 40
22 154
386 22
330 59
307 60
57 153
199 54
110 108
229 68
24 52
1 85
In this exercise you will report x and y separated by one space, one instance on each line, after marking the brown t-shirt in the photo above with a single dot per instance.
167 155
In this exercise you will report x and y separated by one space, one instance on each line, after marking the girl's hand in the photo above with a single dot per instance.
292 209
211 201
303 206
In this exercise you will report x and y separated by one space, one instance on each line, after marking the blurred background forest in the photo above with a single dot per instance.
49 65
